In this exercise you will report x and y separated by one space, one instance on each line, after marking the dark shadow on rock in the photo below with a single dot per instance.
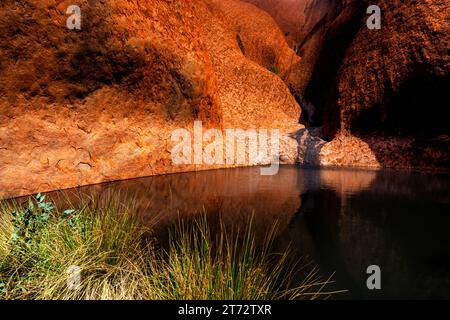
310 144
62 64
410 127
99 58
322 89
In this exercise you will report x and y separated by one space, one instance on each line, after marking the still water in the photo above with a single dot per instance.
343 220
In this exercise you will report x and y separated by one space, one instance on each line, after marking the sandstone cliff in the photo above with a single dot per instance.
298 18
99 104
378 94
251 95
259 37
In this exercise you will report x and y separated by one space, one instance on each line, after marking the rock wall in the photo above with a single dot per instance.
377 94
389 77
252 96
259 37
297 18
305 24
100 104
388 86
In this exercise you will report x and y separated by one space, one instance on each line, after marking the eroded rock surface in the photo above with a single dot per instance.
100 104
378 90
258 35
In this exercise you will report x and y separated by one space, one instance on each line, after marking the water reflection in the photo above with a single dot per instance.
399 221
345 220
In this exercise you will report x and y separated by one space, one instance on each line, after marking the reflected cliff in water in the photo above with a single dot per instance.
398 220
344 220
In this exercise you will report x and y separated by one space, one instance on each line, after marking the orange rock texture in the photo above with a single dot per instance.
79 107
296 17
305 24
100 104
252 96
259 37
382 91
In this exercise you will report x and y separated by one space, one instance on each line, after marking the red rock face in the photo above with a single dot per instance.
258 35
308 25
357 69
41 58
83 107
386 87
246 85
297 18
289 15
405 68
100 104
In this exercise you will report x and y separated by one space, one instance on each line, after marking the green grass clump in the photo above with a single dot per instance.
120 259
274 69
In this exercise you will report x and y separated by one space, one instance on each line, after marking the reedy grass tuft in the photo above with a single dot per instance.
119 259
